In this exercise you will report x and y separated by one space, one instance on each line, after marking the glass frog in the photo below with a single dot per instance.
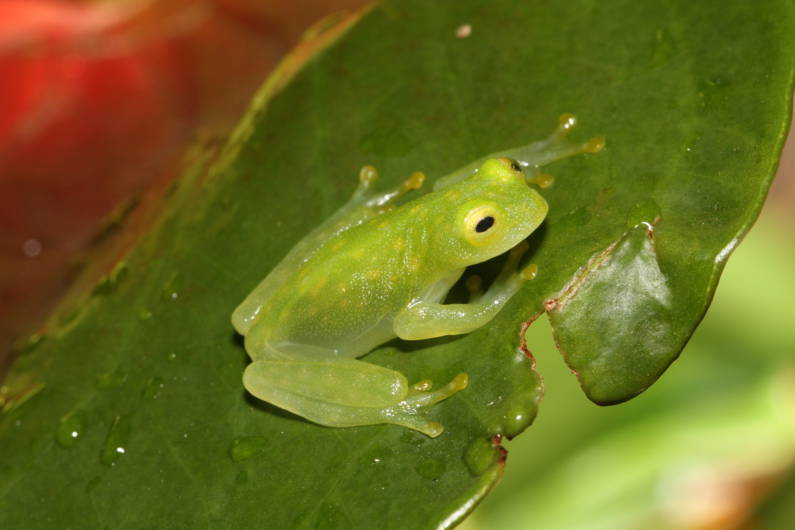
375 271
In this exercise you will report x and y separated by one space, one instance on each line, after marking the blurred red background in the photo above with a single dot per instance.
99 101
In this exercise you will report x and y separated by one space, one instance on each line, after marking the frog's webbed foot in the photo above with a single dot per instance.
408 412
554 147
348 393
382 201
363 205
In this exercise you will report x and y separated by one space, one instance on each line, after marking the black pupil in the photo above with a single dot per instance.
484 224
515 165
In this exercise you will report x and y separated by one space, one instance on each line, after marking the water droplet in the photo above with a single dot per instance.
152 388
170 289
376 460
69 430
643 211
32 248
172 356
518 417
431 468
116 441
579 217
480 455
247 447
144 314
413 438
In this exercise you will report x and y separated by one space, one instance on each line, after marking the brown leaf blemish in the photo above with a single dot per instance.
523 341
496 441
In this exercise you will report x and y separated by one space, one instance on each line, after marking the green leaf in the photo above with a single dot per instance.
615 319
132 413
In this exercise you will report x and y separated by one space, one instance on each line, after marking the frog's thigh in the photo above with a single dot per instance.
346 393
343 382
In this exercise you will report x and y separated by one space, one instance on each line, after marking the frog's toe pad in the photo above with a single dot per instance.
529 272
433 429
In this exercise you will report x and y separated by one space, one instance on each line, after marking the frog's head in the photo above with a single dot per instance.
496 210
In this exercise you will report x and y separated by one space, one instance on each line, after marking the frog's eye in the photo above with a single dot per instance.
513 164
481 223
484 224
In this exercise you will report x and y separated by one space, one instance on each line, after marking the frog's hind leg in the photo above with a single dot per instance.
347 393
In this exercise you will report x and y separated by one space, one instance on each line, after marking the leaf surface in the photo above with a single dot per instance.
132 414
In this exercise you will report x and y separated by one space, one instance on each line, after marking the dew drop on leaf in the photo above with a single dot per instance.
643 211
70 430
480 455
431 468
116 441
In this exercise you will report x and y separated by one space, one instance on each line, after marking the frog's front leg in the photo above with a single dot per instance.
364 204
341 392
380 202
533 155
425 320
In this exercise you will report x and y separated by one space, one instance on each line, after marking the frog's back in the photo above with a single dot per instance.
347 293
